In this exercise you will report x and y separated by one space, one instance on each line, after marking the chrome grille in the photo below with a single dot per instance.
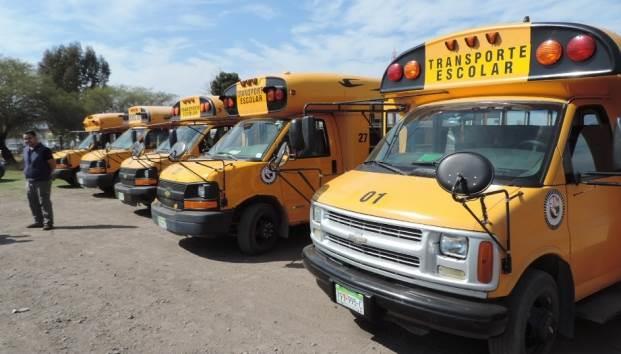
84 166
401 258
376 227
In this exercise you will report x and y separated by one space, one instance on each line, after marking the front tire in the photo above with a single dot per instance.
258 229
533 317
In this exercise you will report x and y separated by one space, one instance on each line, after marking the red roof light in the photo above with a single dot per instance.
581 47
395 72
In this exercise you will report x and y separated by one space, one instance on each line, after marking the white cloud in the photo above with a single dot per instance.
260 10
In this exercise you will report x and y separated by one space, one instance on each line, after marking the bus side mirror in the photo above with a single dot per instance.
281 157
172 137
137 149
616 146
465 174
296 138
147 141
309 128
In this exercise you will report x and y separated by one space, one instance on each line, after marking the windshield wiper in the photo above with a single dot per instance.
231 156
386 166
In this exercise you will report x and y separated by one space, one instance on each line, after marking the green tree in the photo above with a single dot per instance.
20 104
73 69
222 81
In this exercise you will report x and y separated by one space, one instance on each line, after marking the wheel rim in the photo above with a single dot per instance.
265 231
541 326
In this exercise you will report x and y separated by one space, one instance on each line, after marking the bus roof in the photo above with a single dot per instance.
143 116
105 121
286 94
521 54
195 109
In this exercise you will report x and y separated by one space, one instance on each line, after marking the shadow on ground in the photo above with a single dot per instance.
109 195
225 249
7 180
68 186
9 239
94 227
145 213
589 338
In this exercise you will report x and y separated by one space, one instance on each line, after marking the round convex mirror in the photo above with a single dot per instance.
177 150
137 149
465 173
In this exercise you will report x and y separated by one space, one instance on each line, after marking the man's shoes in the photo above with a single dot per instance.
48 227
35 225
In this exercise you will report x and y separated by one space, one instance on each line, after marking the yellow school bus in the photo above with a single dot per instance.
492 209
147 124
200 121
102 128
243 187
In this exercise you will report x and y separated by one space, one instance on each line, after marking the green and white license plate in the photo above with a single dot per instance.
350 299
161 221
120 196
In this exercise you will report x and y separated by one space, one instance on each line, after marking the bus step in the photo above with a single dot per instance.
601 306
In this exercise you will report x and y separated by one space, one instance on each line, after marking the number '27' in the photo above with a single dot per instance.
372 195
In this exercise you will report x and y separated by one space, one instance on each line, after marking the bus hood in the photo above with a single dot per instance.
407 198
101 154
65 153
146 161
194 171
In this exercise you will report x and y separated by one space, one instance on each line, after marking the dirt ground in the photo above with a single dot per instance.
107 280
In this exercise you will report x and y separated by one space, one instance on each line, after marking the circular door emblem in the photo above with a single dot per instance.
268 176
554 209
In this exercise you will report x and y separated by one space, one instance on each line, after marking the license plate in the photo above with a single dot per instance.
81 180
120 196
161 221
350 299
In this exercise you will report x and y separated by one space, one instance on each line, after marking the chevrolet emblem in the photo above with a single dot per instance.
167 194
357 239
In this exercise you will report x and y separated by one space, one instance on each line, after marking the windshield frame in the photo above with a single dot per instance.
264 155
537 180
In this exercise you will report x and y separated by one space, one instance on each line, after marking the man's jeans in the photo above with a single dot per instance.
39 200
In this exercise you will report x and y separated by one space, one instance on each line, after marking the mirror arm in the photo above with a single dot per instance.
507 263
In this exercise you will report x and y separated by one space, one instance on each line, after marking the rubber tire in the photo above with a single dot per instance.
110 190
246 237
532 285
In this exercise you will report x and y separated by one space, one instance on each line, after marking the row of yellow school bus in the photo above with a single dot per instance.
488 206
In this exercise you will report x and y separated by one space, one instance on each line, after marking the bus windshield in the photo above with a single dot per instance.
248 140
125 140
86 142
185 134
516 137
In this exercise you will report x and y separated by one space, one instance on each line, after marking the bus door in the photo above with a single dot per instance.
314 165
592 205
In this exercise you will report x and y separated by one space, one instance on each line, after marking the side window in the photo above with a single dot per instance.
590 143
319 147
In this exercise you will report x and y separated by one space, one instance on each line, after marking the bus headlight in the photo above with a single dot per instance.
316 213
208 191
454 246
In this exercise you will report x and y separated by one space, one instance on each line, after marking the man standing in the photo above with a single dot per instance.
38 166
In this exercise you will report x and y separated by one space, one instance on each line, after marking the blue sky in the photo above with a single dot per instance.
179 46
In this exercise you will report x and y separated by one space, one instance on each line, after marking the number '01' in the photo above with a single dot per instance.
369 195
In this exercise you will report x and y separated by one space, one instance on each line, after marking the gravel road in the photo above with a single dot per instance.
107 280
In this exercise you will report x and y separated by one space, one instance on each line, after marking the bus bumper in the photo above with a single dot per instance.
192 223
134 195
409 305
66 174
102 181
